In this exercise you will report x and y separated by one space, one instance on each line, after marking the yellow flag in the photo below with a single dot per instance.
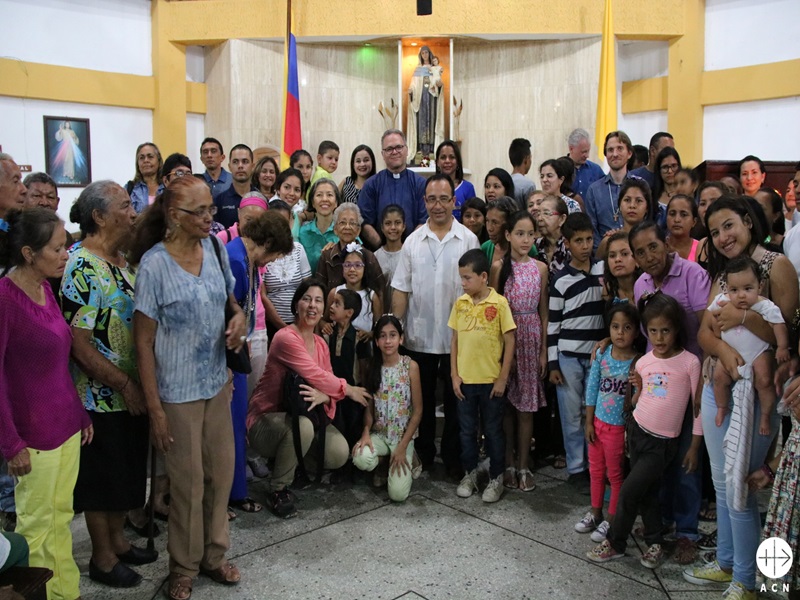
607 86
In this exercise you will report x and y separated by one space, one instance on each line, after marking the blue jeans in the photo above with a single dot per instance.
681 492
738 532
477 402
570 404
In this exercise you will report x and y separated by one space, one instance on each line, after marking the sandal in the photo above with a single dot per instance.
526 483
510 478
560 462
231 514
247 505
226 574
179 587
709 512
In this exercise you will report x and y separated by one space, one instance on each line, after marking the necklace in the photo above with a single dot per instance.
614 206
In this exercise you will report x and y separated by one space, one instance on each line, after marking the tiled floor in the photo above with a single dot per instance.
352 542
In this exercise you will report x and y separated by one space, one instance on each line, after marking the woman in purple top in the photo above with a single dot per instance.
42 421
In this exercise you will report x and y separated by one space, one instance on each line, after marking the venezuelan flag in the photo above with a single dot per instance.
607 88
290 133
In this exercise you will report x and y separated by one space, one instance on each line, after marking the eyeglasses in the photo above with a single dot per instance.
440 200
668 168
394 149
549 213
348 266
352 224
179 174
200 212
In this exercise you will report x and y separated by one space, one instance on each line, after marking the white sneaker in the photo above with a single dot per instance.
587 524
494 490
599 534
467 486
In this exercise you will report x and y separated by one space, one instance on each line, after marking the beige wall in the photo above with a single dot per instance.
340 88
536 90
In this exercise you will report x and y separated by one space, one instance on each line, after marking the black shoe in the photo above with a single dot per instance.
10 524
281 503
144 530
138 556
121 576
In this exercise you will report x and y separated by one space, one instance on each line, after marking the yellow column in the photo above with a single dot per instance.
169 72
684 84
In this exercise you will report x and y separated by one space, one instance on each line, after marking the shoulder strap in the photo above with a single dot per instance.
215 242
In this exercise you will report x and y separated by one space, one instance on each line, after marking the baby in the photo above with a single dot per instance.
744 284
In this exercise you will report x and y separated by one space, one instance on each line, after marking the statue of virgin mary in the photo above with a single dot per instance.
425 107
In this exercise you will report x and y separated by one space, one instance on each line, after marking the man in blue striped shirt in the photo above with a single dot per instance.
575 324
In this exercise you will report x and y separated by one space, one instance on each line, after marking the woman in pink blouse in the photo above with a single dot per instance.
296 348
42 421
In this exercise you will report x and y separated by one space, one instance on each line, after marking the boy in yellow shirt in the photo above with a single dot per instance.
327 161
481 355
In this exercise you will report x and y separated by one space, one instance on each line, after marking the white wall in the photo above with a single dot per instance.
114 135
104 35
740 33
767 129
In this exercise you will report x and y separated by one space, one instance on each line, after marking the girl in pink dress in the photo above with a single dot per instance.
524 282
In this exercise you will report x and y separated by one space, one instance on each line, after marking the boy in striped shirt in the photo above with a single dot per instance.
575 325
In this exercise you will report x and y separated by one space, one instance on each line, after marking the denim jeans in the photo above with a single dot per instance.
477 402
682 492
738 532
570 405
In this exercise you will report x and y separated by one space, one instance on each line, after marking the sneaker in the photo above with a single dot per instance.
587 524
652 558
736 591
604 553
494 490
467 486
599 534
708 541
281 503
710 573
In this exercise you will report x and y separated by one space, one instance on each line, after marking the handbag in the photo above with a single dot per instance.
297 407
237 361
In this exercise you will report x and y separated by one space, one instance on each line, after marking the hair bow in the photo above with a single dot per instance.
354 247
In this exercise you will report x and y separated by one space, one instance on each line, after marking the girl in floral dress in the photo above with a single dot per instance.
524 282
783 515
394 412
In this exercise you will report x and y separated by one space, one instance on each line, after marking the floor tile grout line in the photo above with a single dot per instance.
293 537
538 542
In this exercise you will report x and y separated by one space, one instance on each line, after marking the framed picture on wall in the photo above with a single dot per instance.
67 151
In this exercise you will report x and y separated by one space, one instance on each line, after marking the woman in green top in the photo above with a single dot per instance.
498 214
97 302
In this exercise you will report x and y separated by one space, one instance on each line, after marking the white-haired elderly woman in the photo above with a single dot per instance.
347 222
97 302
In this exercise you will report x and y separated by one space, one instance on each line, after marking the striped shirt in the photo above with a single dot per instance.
190 315
576 312
283 277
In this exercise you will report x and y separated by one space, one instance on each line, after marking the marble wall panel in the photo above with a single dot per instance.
340 88
539 90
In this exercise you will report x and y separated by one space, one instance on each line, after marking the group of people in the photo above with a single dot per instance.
254 314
